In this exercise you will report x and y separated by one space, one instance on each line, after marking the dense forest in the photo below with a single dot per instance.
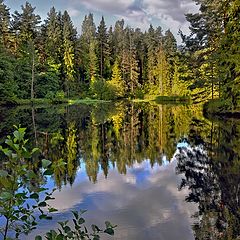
49 59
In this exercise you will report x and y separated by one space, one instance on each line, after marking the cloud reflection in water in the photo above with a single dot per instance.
145 203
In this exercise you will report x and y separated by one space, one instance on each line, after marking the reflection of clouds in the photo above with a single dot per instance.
155 211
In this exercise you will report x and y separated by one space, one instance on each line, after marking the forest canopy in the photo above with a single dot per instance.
49 59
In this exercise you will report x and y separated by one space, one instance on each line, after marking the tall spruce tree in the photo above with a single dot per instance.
103 49
5 34
152 45
88 37
25 26
69 42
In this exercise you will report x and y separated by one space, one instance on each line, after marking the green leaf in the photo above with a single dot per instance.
43 216
95 228
82 211
19 134
6 196
60 237
42 204
108 224
48 172
52 210
75 213
46 163
35 150
49 198
67 229
34 196
38 238
81 221
109 231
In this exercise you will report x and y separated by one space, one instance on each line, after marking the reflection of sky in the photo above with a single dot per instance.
144 203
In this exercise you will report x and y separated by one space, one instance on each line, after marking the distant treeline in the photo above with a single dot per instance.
48 59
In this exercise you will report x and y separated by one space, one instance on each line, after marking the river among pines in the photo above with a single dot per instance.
159 172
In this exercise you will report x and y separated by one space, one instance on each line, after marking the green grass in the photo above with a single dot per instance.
44 101
40 101
87 101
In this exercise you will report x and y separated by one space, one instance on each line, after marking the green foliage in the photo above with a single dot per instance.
104 90
43 59
17 188
47 84
78 230
8 87
116 82
21 196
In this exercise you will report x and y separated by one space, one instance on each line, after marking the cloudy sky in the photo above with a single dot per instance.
137 13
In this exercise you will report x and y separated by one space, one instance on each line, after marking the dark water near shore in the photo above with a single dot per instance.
157 171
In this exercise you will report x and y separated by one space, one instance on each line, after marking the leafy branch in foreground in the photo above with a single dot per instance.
21 193
77 230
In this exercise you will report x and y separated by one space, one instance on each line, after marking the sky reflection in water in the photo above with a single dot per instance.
145 203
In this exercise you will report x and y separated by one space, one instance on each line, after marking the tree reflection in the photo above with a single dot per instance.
211 173
105 136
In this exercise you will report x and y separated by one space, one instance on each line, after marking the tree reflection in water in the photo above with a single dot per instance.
119 135
211 172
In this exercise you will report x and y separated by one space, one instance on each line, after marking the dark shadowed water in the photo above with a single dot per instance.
157 171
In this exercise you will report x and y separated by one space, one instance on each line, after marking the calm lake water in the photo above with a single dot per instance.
157 171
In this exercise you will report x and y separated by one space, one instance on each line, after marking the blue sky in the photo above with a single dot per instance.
136 13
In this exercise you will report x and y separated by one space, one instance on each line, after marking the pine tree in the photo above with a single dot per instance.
207 30
69 39
53 41
134 65
5 34
25 25
170 50
88 37
229 53
103 49
93 70
118 40
8 87
152 45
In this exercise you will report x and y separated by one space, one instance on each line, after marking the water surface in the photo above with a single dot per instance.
157 171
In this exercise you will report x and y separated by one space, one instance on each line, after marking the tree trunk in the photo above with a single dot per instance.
33 73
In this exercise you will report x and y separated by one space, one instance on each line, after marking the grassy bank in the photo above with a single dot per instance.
45 101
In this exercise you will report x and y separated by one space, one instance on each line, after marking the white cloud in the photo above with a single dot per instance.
73 12
114 7
140 13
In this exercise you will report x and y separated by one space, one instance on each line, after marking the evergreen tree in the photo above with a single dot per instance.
103 49
69 40
5 35
25 26
152 44
118 39
88 37
8 87
93 70
53 41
